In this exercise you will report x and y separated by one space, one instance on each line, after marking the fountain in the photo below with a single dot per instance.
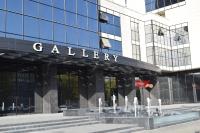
148 106
135 102
100 105
160 106
126 104
114 104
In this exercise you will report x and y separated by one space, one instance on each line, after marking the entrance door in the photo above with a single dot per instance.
68 90
17 92
110 89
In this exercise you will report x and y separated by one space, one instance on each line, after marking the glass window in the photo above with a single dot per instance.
14 23
48 2
59 33
117 21
82 7
93 40
117 31
92 25
70 18
45 12
71 5
46 30
14 5
82 22
72 37
31 8
2 4
58 3
83 38
92 10
2 24
58 15
31 27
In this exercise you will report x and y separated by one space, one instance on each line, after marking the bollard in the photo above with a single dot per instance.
13 106
135 106
100 105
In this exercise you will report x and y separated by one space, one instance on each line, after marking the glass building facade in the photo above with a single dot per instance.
156 4
63 22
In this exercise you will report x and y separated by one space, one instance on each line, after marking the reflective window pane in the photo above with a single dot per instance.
70 18
93 25
71 5
45 12
82 22
14 23
58 15
92 10
59 3
46 30
14 5
82 7
72 37
31 8
59 33
83 38
31 27
2 24
2 4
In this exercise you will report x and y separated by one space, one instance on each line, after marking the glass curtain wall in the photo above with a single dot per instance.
156 4
63 22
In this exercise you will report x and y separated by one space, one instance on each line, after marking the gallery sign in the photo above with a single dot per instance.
38 47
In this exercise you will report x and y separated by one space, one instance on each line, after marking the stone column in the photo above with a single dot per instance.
38 93
95 88
126 87
83 90
50 90
194 92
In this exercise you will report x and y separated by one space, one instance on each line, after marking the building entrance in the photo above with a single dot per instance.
110 89
68 90
17 92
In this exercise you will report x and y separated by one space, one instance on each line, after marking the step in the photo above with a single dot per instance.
43 121
128 130
51 127
44 124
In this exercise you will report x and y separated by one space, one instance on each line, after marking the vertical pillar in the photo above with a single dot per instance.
194 92
95 88
121 90
83 90
38 94
126 87
170 90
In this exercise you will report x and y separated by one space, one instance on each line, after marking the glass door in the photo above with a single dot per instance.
68 90
110 89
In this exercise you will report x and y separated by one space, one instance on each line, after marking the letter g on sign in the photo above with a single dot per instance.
37 47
